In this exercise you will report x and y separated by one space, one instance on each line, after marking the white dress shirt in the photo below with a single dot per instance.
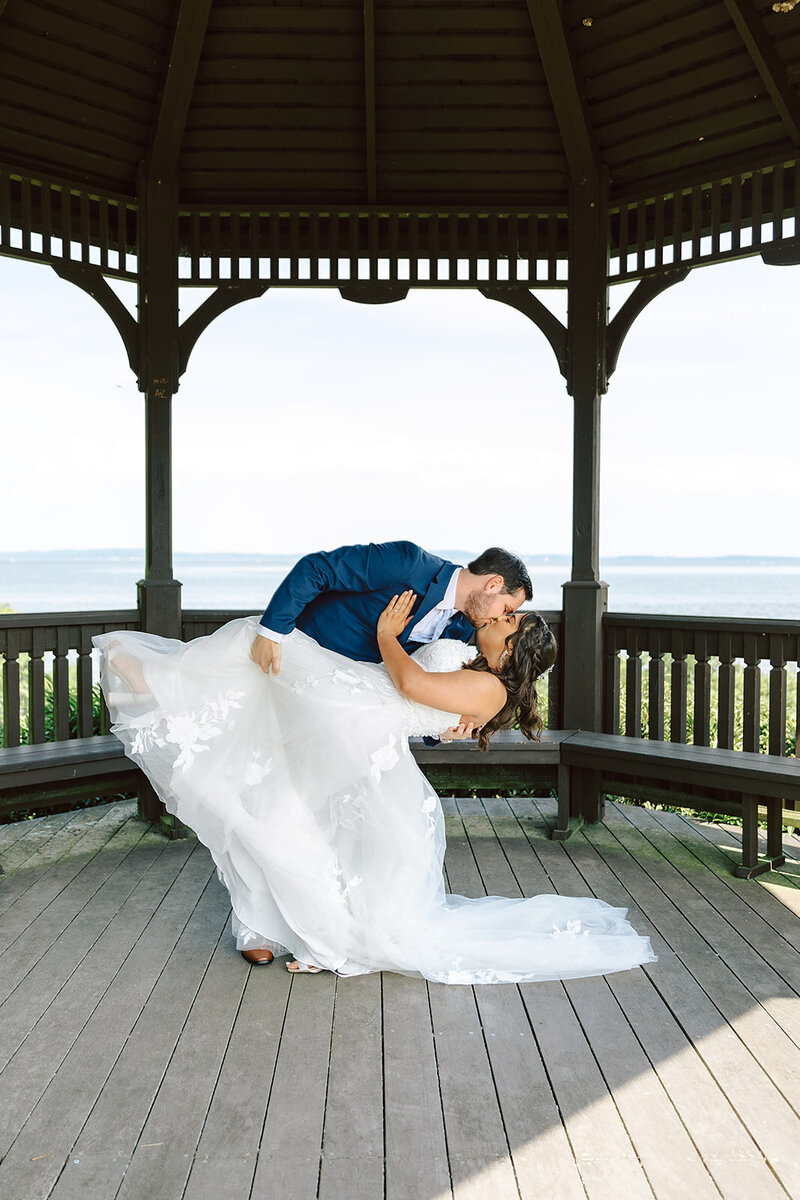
428 629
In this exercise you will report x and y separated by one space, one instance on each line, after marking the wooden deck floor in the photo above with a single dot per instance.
143 1059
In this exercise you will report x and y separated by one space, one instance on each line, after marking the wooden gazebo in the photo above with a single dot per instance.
510 146
513 146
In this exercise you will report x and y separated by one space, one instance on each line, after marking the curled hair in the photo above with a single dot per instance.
531 651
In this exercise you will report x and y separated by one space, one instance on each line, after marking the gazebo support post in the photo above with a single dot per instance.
159 592
585 595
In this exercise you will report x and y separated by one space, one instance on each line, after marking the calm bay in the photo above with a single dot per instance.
63 581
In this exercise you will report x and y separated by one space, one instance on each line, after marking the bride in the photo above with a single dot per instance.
326 834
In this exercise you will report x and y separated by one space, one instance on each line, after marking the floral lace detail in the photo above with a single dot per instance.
188 730
384 758
571 929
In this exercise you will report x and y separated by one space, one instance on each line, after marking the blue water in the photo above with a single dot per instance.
88 580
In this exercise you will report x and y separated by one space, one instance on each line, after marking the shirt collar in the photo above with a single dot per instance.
448 600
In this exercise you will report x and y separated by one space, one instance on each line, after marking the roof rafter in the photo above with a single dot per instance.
570 110
176 94
768 64
369 100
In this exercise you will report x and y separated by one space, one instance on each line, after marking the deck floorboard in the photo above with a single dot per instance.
141 1056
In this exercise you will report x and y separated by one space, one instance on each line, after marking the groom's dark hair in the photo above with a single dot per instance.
496 561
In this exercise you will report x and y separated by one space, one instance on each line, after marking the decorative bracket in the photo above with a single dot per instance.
646 290
216 304
374 293
517 296
91 281
786 254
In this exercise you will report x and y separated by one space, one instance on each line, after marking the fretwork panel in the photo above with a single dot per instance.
720 220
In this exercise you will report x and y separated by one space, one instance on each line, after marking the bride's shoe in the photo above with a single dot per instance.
298 968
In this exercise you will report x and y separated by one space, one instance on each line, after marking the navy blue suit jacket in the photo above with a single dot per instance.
336 596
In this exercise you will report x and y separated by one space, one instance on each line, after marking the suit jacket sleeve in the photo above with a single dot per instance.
369 568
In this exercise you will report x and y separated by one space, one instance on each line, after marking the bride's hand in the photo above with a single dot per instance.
459 733
396 615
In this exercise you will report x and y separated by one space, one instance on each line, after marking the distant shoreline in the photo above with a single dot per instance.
554 560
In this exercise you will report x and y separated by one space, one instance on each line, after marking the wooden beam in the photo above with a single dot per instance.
369 100
568 103
176 95
768 64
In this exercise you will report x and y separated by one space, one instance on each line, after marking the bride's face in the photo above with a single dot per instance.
492 638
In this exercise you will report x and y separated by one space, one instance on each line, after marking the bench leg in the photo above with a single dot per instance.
152 810
149 806
750 862
775 854
569 821
590 801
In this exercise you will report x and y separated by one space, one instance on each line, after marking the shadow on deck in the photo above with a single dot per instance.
143 1059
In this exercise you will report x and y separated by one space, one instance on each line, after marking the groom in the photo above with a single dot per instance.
337 596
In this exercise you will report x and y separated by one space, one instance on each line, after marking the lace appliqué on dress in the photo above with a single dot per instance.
189 731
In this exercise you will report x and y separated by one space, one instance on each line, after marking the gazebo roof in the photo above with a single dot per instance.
342 102
417 106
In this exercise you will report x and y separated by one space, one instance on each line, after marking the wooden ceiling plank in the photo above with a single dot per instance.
369 102
768 64
176 95
570 110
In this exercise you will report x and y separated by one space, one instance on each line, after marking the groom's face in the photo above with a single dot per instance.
488 602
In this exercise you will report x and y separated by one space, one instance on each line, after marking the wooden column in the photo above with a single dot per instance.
585 596
159 592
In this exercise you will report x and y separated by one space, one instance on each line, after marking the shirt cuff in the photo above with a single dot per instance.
270 633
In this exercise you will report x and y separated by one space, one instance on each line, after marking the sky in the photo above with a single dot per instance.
304 421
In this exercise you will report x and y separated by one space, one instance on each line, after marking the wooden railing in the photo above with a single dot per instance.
708 680
49 672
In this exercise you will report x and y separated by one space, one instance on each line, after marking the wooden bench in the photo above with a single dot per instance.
54 772
510 761
582 767
604 764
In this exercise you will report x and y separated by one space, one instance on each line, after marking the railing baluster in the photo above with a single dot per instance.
701 720
777 696
752 695
85 708
61 685
611 700
726 699
11 691
656 677
36 693
679 687
633 688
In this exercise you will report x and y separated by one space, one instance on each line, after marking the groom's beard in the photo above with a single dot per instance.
476 608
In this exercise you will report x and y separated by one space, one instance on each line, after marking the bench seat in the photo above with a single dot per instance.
583 767
597 761
78 769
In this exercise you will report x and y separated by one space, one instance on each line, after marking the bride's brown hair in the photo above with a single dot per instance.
529 651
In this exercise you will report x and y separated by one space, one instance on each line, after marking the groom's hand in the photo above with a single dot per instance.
267 654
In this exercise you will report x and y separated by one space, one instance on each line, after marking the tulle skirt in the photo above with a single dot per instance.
326 834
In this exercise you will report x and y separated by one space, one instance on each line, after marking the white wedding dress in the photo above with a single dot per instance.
326 834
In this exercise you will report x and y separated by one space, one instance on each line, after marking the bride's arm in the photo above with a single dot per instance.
477 696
